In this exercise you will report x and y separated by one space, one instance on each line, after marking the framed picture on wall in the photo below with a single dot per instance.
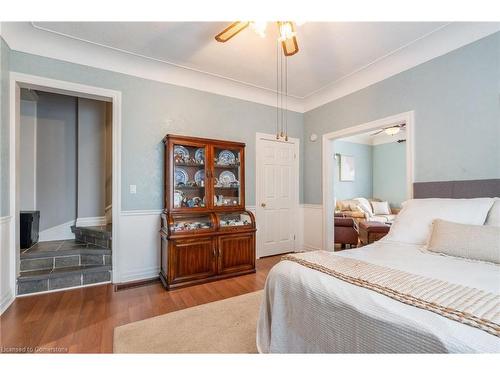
347 170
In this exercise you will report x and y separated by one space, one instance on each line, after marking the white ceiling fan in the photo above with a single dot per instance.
286 31
390 130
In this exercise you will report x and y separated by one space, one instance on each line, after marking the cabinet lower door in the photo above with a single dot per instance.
236 253
192 259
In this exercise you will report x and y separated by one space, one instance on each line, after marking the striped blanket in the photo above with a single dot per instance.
470 306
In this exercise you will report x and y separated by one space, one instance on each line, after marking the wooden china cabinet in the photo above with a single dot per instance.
206 232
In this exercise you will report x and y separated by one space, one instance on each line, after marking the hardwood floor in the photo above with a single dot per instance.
82 320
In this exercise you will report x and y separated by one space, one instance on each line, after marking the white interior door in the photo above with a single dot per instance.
277 193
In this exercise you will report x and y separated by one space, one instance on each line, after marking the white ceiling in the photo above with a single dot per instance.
335 59
328 51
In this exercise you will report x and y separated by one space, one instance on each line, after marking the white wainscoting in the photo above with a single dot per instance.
312 226
6 291
139 253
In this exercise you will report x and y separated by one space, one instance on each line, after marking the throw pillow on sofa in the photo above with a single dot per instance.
365 206
381 208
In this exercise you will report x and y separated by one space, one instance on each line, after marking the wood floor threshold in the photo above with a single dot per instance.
135 284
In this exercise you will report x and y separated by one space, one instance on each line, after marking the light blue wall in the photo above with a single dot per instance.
457 113
389 173
152 109
362 186
380 172
4 128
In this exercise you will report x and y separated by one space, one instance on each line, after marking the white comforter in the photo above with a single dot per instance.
307 311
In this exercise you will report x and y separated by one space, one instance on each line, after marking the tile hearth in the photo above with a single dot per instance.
61 264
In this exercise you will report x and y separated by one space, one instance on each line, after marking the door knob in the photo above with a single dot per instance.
263 205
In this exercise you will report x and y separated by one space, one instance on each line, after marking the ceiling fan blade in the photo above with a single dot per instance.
231 31
290 46
377 132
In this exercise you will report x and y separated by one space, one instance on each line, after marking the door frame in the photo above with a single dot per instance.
328 164
259 142
21 80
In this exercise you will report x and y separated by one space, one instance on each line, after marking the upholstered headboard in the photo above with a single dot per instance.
457 189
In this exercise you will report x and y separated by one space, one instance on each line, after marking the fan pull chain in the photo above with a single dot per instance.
286 99
277 90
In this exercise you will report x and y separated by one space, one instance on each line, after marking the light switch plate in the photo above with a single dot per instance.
133 189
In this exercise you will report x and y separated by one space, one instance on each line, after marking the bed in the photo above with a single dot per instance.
307 311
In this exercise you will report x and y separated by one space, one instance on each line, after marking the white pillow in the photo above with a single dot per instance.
381 208
413 223
365 206
477 242
493 217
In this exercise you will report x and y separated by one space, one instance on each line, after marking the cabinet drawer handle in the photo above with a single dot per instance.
215 253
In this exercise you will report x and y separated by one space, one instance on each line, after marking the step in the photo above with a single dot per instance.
99 235
58 278
58 254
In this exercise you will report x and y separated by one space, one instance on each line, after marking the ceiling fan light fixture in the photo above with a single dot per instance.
286 31
287 37
392 131
259 27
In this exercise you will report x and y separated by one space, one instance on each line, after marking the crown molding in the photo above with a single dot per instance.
24 37
435 44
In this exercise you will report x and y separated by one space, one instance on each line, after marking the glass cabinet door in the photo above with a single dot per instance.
235 220
227 177
190 223
189 172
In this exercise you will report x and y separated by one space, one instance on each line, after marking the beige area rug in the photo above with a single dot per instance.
225 326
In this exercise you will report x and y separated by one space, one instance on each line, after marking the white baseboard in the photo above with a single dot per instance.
59 232
140 274
141 213
90 221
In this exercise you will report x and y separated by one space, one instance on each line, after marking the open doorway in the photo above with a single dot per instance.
367 175
64 168
65 189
